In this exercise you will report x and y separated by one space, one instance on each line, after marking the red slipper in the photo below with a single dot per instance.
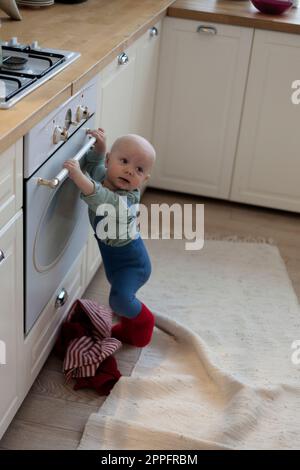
135 331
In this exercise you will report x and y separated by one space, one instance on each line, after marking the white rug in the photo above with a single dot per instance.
218 373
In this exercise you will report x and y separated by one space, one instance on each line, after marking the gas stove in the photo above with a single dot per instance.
25 67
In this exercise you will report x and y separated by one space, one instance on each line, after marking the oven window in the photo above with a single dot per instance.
57 226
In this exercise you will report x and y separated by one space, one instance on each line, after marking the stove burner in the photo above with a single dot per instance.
24 68
14 63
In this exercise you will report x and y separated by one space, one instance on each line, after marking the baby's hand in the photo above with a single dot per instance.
100 145
73 168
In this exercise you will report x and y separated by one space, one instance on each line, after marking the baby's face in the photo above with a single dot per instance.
129 164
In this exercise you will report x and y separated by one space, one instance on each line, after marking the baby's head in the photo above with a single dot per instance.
129 162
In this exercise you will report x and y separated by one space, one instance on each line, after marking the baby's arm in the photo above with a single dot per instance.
95 158
93 193
85 185
100 195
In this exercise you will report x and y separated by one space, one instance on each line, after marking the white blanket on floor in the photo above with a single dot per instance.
219 372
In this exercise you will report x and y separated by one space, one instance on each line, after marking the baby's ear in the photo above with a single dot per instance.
106 159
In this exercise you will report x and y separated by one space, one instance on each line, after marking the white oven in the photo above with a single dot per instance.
56 219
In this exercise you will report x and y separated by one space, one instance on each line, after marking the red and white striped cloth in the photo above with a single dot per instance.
85 354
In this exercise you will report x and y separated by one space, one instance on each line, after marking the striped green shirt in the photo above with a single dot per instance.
123 201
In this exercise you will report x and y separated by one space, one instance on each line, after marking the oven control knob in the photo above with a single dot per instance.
68 120
60 134
35 46
13 42
82 112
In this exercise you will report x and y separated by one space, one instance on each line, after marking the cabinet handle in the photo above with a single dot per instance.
1 256
207 29
61 298
153 32
123 59
55 182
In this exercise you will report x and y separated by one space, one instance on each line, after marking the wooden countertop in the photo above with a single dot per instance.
101 29
236 12
98 29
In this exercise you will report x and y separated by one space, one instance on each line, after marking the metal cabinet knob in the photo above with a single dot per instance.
2 256
123 59
207 30
153 32
61 298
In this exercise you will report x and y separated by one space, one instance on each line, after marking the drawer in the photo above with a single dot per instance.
11 180
41 339
11 316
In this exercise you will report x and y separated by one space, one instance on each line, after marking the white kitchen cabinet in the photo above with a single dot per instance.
11 167
267 163
117 87
145 80
11 317
202 76
127 88
37 345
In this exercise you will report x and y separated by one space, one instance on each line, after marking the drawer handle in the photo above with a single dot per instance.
153 32
61 298
55 182
2 256
123 59
207 29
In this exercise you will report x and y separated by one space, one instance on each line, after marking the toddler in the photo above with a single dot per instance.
116 179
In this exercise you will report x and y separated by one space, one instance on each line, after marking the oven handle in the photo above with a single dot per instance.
55 182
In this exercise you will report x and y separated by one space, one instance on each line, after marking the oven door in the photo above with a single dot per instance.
56 228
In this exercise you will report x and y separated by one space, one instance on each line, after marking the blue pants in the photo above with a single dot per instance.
127 268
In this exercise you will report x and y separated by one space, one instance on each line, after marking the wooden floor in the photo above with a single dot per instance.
53 415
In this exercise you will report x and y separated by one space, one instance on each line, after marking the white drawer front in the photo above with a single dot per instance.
11 316
39 342
11 164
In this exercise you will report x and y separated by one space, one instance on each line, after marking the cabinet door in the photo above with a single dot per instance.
37 345
202 75
11 316
145 80
267 163
11 179
93 258
117 86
